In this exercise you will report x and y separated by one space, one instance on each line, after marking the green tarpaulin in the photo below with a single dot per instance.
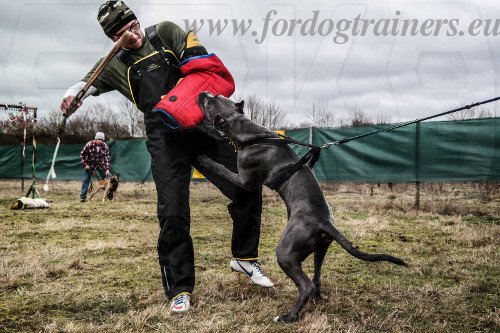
466 150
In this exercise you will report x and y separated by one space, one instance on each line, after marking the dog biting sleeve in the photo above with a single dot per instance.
201 73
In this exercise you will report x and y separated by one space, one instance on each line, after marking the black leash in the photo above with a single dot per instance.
345 140
312 156
467 107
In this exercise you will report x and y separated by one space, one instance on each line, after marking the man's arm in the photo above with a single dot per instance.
75 89
98 86
173 37
70 94
84 156
106 158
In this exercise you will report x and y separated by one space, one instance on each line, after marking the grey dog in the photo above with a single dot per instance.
310 224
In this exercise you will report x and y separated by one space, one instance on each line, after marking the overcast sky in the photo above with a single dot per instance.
49 45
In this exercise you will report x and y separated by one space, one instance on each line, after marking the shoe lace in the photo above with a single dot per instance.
180 299
255 264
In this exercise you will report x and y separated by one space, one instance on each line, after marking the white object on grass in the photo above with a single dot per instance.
52 172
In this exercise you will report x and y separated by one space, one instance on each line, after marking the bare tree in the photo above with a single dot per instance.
132 117
269 115
97 118
472 113
382 119
110 122
48 125
274 116
356 117
256 110
301 124
320 115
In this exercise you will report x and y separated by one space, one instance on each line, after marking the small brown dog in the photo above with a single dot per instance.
109 185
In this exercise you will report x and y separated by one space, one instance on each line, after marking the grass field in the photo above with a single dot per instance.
92 267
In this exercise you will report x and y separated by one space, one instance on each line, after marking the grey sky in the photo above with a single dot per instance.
49 45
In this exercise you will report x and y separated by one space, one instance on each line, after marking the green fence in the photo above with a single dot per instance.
128 158
466 150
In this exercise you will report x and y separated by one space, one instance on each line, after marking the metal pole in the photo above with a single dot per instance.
22 169
417 166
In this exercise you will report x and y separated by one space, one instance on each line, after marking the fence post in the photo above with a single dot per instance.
22 167
417 166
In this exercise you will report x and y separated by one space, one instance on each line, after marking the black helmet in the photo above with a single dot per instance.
114 15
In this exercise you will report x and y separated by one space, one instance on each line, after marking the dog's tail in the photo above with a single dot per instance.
351 249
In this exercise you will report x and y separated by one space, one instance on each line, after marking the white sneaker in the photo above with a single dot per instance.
180 303
252 269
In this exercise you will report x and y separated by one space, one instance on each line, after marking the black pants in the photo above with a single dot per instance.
172 156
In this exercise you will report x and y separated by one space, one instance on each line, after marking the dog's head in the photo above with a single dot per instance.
219 111
113 182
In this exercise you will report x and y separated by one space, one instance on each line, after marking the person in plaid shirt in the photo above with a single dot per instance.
94 157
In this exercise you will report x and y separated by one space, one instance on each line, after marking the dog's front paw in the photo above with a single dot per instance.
206 162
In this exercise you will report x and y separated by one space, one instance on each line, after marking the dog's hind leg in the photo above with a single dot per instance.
95 192
290 261
319 256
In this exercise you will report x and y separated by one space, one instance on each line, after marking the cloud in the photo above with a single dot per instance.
50 45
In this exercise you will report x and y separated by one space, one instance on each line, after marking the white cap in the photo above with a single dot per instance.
99 136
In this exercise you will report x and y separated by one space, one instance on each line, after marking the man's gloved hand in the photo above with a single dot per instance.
66 102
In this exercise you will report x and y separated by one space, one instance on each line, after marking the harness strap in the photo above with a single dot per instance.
125 57
282 139
153 37
155 40
271 141
311 157
295 142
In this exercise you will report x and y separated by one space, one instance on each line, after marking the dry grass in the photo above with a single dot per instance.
83 268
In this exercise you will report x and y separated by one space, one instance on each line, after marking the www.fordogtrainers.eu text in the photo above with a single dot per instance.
343 29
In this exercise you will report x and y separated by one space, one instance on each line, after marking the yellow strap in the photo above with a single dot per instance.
246 259
130 87
183 293
192 40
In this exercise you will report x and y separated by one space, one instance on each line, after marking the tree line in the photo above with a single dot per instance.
121 122
124 121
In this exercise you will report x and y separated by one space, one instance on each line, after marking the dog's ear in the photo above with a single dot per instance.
220 123
240 106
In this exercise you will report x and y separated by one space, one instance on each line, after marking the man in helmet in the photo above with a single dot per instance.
143 71
94 157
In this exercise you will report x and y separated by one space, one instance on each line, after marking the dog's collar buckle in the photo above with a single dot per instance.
236 147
